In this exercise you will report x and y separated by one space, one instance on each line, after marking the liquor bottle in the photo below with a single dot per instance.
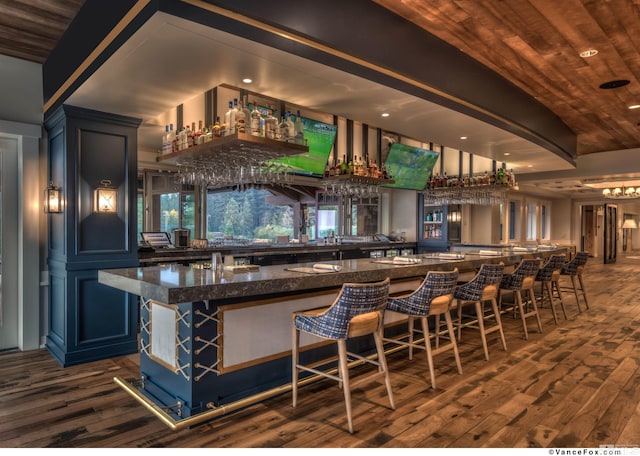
247 115
292 127
208 135
227 120
327 170
255 118
344 166
198 137
216 128
299 129
373 170
165 140
281 130
234 119
512 178
500 177
192 134
270 125
175 141
241 119
171 139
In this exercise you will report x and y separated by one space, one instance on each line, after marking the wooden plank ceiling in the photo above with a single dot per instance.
536 44
533 43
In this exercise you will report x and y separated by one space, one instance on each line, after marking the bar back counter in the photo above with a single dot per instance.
213 342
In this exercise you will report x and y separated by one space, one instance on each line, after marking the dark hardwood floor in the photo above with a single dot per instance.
575 385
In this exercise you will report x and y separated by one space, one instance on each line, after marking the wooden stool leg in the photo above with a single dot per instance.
411 321
459 310
456 353
547 287
295 343
518 298
584 292
382 359
535 309
575 291
496 313
483 335
344 375
427 345
437 328
564 309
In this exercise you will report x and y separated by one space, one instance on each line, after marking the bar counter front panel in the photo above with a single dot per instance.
211 343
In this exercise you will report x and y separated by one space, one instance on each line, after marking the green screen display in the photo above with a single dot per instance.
319 137
409 166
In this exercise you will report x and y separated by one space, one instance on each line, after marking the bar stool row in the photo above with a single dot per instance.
358 310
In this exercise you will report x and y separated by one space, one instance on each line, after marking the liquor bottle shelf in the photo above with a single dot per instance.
235 148
360 180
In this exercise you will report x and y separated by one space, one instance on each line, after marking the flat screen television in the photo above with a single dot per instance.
319 137
410 167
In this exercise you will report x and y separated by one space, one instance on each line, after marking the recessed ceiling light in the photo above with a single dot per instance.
507 153
529 166
614 84
247 80
634 106
463 137
385 114
589 53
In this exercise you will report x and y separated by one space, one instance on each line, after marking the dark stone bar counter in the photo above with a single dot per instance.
211 343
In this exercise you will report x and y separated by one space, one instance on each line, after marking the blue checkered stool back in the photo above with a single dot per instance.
353 299
432 298
548 276
574 269
358 310
522 279
482 288
489 274
515 280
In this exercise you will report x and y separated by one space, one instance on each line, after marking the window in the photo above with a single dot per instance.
246 215
532 221
514 220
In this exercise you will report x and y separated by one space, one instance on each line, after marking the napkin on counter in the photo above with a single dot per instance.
520 249
490 252
452 256
327 267
405 260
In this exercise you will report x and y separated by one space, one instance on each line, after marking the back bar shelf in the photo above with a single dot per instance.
236 150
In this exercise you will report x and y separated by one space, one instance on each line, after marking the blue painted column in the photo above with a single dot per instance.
87 320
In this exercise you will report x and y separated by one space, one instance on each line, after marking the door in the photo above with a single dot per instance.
8 248
610 233
589 229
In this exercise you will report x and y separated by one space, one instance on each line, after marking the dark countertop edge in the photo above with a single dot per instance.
293 282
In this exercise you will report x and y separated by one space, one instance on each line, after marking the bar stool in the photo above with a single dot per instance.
358 310
549 277
432 298
574 269
522 279
481 288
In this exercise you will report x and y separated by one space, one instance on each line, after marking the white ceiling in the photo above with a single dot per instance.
170 60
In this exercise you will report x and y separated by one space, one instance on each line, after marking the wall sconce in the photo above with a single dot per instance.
105 198
52 199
